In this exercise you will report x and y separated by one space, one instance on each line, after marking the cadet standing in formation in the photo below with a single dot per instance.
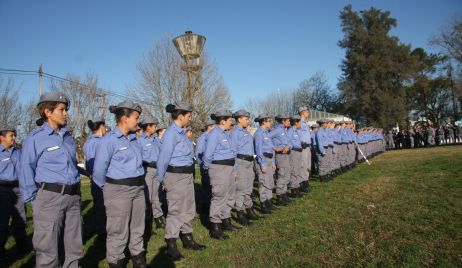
242 143
219 160
305 137
98 129
175 168
297 168
50 179
119 171
150 152
264 150
281 144
206 195
10 197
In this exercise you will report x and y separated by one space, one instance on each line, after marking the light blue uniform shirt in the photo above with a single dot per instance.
117 157
47 157
305 132
218 146
176 150
294 138
149 148
89 150
242 141
200 147
263 144
279 136
322 140
9 163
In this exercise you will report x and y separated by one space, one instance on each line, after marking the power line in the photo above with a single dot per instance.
55 77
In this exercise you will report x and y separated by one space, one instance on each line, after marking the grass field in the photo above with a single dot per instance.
403 210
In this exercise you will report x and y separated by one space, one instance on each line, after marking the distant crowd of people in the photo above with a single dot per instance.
423 136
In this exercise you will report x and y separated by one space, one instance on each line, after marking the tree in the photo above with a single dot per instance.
376 68
315 93
274 103
450 40
161 81
9 104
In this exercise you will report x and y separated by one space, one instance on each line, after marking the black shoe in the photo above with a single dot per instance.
216 232
286 198
189 243
251 215
172 250
296 193
270 206
3 257
305 187
264 208
242 219
139 261
228 226
280 200
160 222
25 246
119 264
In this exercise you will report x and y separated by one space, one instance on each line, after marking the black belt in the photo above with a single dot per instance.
182 169
9 183
135 181
297 149
288 152
151 165
245 157
225 162
268 155
305 145
73 189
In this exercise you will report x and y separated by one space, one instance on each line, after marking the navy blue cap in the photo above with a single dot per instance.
149 120
221 113
54 96
296 117
178 106
261 117
240 113
282 116
128 104
209 122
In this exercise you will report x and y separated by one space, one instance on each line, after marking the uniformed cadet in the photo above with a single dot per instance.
49 178
314 128
150 152
242 144
264 150
119 171
98 129
206 188
322 150
175 168
138 131
281 144
296 167
160 133
305 137
219 159
10 197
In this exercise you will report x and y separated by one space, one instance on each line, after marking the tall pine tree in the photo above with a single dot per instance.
376 68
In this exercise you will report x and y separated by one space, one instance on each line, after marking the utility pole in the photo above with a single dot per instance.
40 71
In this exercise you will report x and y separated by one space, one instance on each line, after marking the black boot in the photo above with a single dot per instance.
242 219
216 232
251 214
264 208
189 243
119 264
160 222
280 200
296 193
286 198
228 226
139 261
305 187
270 206
172 250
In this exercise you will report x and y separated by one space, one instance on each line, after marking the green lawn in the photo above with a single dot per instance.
403 210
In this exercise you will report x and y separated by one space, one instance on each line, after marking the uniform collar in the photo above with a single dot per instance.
2 149
179 129
119 134
49 130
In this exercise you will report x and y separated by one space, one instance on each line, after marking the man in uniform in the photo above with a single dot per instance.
305 137
10 197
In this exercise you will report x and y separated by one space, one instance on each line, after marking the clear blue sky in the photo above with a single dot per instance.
257 45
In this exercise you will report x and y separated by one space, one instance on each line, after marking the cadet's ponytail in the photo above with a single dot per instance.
94 126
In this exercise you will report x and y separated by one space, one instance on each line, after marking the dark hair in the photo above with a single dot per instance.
94 126
49 105
218 119
119 112
176 113
4 132
145 126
